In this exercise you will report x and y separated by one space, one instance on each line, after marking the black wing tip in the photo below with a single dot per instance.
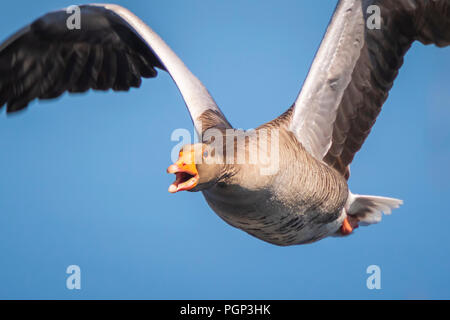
15 108
31 41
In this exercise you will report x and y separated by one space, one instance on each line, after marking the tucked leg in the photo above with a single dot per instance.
348 225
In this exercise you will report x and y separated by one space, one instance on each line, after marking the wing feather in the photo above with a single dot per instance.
113 49
354 70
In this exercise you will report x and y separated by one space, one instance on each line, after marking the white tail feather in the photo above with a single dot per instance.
369 209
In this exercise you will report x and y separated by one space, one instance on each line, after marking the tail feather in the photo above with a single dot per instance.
369 209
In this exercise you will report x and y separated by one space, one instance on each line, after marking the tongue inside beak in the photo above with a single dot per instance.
184 181
186 174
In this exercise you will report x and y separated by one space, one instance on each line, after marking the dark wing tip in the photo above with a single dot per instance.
46 58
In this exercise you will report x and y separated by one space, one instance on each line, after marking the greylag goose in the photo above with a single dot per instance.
286 181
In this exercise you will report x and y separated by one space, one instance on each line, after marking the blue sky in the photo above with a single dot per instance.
83 178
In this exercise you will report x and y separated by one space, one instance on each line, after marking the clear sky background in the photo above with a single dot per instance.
83 178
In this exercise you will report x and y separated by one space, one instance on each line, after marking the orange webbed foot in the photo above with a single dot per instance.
348 225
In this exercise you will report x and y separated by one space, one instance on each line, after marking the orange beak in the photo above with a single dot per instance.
186 172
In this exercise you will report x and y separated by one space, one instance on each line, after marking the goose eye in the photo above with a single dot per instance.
205 154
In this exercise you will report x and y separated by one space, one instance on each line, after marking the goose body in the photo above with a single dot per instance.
293 206
306 198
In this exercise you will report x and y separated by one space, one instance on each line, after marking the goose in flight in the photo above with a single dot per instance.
310 146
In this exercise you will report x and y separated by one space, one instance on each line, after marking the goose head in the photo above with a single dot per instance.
198 167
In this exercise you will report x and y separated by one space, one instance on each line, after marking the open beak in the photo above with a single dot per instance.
185 171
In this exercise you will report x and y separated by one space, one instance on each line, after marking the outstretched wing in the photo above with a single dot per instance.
355 68
112 49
